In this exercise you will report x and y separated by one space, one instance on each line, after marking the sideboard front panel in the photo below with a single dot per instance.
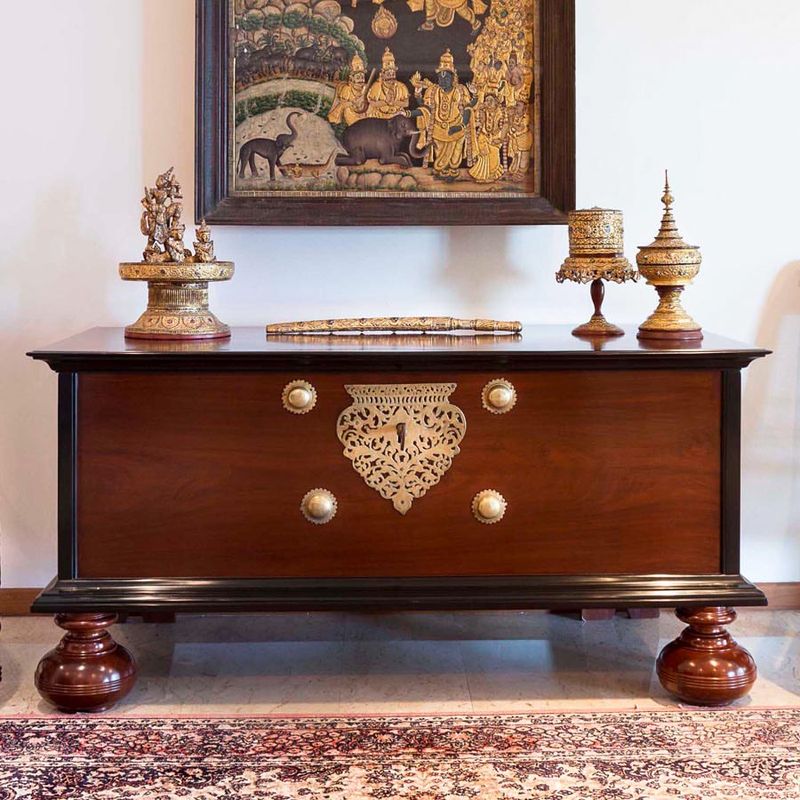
202 475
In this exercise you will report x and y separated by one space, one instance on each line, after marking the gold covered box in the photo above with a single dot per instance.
596 254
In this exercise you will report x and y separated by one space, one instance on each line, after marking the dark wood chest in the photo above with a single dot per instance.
183 473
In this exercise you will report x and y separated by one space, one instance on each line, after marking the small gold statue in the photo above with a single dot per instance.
204 246
177 279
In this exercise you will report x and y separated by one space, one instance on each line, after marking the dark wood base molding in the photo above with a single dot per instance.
299 594
17 602
87 670
705 665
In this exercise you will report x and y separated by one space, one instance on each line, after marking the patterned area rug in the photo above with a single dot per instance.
692 755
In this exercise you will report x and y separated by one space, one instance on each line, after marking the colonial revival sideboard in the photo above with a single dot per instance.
396 472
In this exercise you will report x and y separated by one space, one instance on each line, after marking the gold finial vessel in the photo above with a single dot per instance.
596 245
669 264
177 278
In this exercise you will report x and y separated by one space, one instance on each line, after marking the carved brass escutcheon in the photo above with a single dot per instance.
401 438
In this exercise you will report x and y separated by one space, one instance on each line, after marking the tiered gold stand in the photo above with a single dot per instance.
177 301
669 264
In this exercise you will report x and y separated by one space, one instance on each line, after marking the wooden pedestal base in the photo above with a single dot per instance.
88 670
704 665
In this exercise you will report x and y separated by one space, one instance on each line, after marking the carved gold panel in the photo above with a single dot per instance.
401 438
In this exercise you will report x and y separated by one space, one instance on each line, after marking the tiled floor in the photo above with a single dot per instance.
400 663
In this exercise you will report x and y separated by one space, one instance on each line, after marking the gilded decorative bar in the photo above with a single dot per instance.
393 325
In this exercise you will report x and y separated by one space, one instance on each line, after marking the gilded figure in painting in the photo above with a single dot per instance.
387 96
442 116
443 12
351 102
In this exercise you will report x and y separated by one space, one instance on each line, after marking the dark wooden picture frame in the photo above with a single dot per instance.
216 203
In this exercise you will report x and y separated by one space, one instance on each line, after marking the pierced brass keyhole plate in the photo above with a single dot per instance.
401 438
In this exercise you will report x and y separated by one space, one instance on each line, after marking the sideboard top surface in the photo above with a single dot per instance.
538 346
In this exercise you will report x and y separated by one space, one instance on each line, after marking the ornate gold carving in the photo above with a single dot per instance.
596 255
669 264
499 396
392 324
319 506
401 438
299 397
489 506
177 279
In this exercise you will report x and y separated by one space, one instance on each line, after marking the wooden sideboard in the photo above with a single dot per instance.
396 472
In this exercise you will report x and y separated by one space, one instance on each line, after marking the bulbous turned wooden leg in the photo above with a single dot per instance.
88 670
705 665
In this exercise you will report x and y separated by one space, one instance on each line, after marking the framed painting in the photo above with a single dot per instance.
385 112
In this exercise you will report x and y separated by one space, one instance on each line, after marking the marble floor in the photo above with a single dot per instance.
463 662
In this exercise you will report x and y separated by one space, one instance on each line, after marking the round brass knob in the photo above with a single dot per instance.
489 506
499 396
299 397
319 506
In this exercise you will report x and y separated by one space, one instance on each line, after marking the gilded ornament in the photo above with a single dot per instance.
299 397
669 264
596 254
401 438
489 506
499 396
384 23
177 279
392 325
319 506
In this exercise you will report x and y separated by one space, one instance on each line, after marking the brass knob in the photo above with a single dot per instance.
299 397
489 506
319 506
499 396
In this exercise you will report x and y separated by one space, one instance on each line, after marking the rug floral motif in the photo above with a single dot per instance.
693 755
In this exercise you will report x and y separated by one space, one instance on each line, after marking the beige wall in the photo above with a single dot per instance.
98 97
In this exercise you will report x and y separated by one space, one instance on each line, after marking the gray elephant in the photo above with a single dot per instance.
270 149
382 139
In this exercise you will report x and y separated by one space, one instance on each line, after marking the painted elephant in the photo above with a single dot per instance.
269 149
382 139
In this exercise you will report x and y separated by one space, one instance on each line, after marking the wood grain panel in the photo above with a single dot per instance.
202 474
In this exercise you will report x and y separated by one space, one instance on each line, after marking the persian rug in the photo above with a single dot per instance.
683 755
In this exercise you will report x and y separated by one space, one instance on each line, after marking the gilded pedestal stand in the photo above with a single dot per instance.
177 303
596 255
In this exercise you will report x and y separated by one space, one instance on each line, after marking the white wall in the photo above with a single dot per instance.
98 98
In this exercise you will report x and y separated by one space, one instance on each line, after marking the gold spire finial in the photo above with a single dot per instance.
667 199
